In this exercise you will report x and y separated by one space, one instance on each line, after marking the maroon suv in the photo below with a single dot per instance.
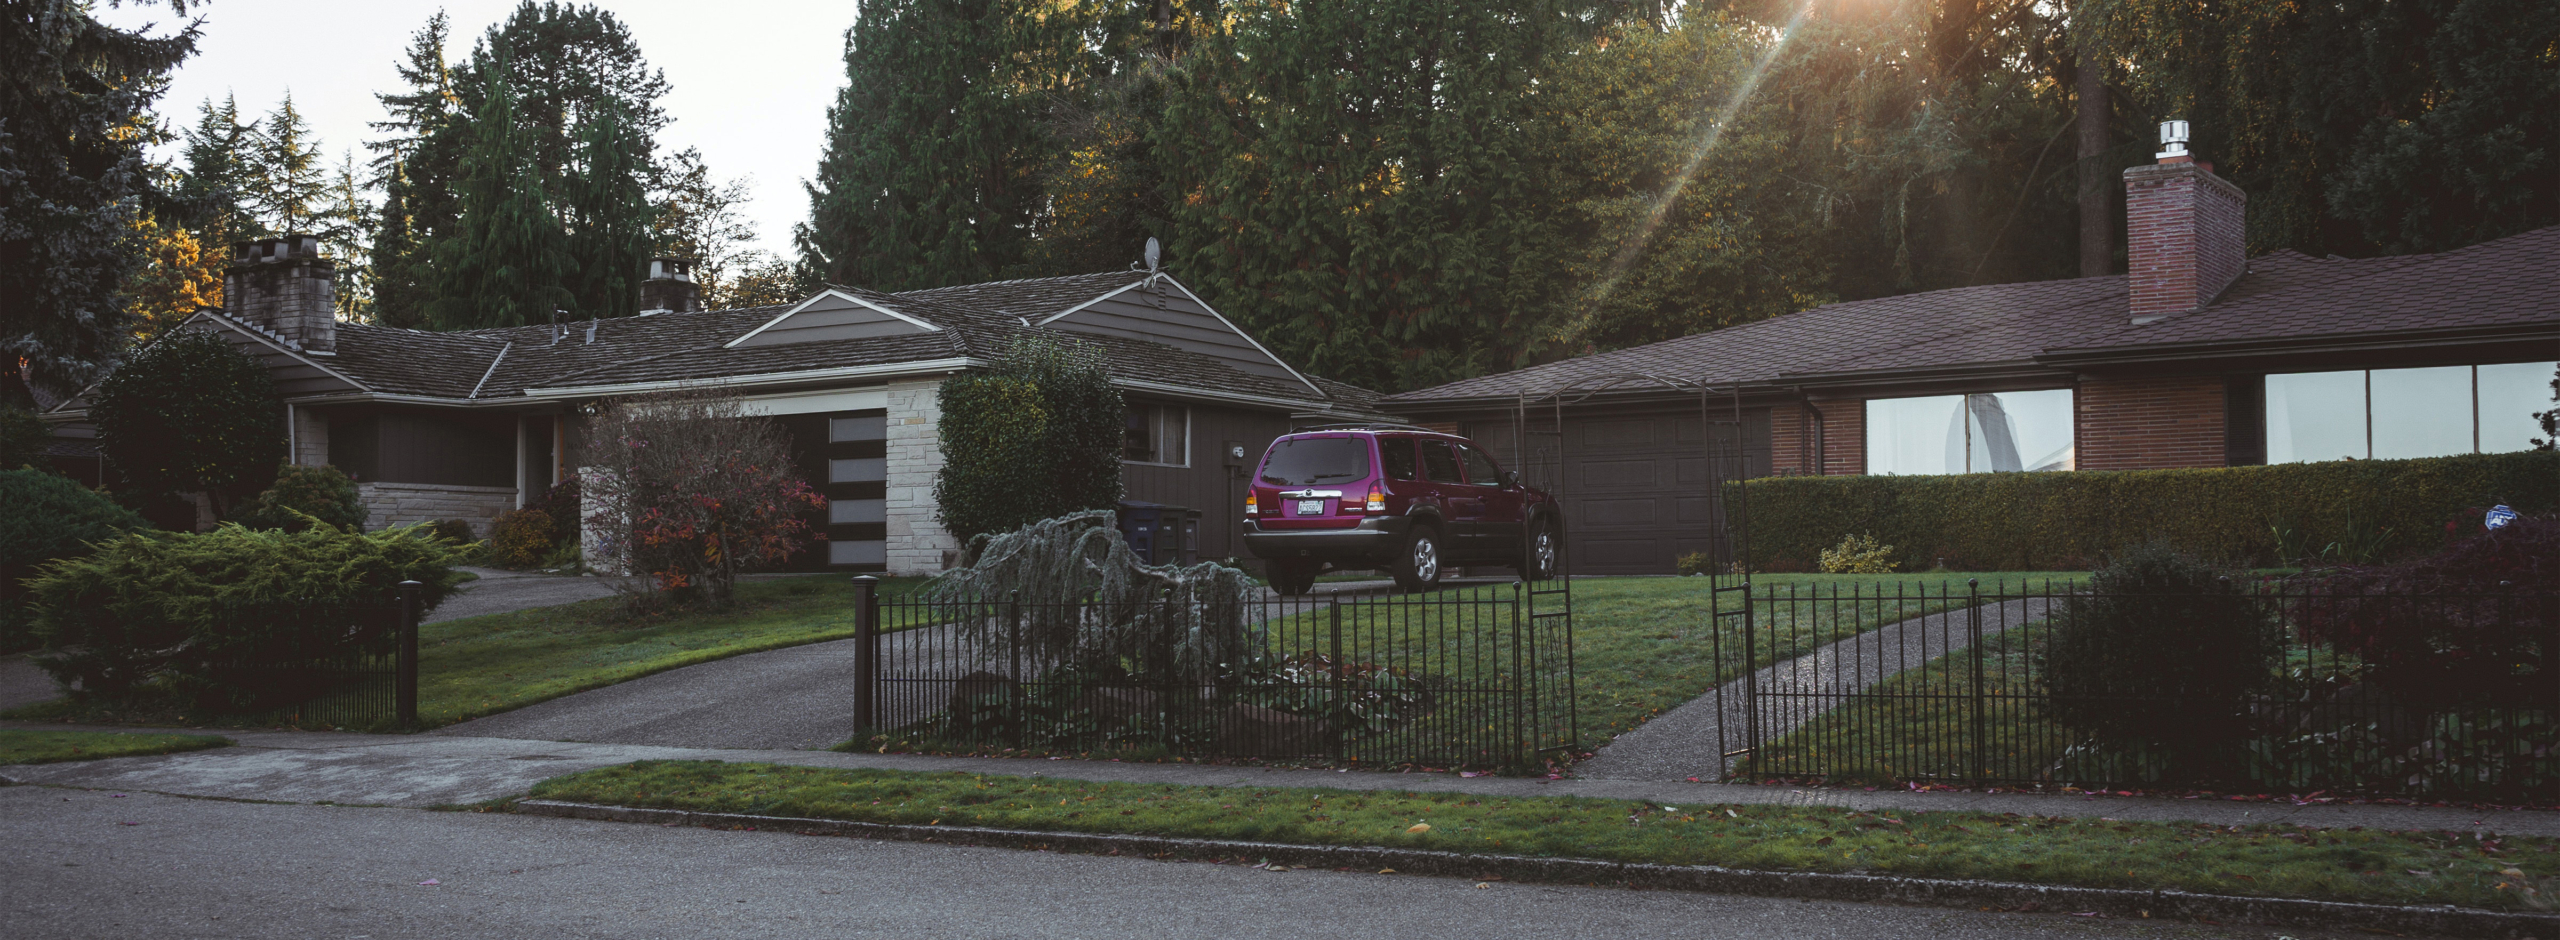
1411 501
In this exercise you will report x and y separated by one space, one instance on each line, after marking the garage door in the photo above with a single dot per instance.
1635 484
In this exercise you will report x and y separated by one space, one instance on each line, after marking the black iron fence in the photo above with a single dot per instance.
2274 686
1478 676
332 663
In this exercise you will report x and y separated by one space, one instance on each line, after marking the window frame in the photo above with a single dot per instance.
1156 412
1966 418
2365 414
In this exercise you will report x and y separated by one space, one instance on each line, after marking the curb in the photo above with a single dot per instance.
2444 920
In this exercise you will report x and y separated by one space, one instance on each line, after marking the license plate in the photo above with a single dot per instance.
1311 507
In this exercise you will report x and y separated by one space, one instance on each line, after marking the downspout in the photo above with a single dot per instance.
1814 440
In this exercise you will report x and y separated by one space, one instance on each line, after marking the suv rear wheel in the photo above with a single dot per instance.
1418 566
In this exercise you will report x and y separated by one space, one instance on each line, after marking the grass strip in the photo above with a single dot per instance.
478 666
46 747
2260 861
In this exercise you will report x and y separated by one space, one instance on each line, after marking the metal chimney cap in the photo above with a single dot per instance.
2173 139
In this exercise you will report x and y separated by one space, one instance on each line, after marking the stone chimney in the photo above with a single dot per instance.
285 287
2185 237
670 288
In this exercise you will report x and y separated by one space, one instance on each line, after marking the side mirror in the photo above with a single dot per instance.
1511 478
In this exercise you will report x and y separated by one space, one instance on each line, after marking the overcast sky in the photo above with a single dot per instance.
750 79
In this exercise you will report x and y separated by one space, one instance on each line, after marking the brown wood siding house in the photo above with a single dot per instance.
472 423
2200 358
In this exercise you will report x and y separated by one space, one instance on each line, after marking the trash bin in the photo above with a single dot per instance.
1160 534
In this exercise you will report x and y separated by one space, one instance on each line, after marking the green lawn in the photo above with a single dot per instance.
484 665
1644 645
45 747
2267 861
1925 730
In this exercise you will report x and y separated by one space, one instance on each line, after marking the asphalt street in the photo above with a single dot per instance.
91 863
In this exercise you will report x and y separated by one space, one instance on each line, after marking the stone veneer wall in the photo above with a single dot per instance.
917 543
310 438
390 504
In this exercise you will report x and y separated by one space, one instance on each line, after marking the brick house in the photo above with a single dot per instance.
2199 357
468 424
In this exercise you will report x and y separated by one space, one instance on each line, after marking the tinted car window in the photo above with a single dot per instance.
1310 460
1438 464
1395 457
1480 470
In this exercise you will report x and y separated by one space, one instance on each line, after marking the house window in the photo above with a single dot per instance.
858 470
1995 432
1157 434
2435 411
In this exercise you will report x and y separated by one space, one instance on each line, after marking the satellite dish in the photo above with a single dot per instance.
1154 253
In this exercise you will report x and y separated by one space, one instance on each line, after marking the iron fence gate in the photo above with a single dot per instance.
2438 694
1470 676
330 663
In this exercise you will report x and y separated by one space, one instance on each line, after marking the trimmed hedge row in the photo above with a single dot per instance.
2071 521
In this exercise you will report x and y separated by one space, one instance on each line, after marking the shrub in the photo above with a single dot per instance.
1036 437
48 517
1696 563
1858 554
690 488
457 531
2071 520
160 613
22 437
562 502
2160 659
190 414
522 538
2474 623
301 494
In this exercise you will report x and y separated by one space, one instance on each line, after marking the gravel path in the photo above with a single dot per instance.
1682 743
499 591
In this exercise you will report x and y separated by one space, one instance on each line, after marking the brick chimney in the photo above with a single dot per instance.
2185 236
670 288
284 286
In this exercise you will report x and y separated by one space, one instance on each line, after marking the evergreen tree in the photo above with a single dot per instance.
505 263
75 97
416 164
213 186
609 215
565 62
936 143
347 224
402 271
285 182
2363 126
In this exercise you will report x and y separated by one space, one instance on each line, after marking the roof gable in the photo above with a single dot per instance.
833 314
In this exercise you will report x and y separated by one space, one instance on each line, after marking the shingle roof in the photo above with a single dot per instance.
974 321
2283 296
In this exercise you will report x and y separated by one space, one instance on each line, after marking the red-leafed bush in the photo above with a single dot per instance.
691 489
2476 623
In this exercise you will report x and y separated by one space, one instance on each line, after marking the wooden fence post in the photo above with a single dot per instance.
866 651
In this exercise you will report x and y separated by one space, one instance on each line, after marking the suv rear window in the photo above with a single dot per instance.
1310 460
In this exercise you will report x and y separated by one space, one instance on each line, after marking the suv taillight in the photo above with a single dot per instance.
1377 497
1252 504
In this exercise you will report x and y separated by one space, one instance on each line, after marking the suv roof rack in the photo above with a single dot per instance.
1368 426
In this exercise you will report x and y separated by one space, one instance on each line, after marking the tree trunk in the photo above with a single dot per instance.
2097 175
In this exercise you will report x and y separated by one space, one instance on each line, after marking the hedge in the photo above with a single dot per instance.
2072 521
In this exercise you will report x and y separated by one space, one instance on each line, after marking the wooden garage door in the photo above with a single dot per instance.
1635 484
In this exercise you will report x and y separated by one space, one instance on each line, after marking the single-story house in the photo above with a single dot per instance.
468 424
2200 357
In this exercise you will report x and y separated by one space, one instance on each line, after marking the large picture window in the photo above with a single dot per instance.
1158 434
2436 411
1995 432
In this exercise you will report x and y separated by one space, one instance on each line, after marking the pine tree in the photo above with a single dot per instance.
609 215
416 164
76 94
213 187
402 270
936 144
286 183
504 264
347 224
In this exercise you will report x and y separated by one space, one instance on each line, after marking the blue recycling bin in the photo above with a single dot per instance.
1160 534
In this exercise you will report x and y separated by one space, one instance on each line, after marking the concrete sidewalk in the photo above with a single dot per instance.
428 770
